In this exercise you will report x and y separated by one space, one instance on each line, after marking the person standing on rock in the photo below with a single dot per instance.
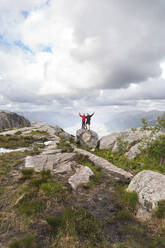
88 120
83 120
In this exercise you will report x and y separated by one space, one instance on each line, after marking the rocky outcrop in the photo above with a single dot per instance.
81 176
108 141
12 120
132 139
57 162
149 186
62 134
86 138
111 169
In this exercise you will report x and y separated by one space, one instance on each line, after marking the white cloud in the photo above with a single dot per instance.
82 55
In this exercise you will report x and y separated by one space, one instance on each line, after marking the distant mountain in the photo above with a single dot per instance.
12 120
132 119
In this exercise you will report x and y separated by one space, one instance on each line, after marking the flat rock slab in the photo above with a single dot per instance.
65 167
48 162
81 176
110 168
150 187
40 162
62 157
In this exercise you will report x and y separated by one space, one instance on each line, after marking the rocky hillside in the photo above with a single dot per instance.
12 120
57 194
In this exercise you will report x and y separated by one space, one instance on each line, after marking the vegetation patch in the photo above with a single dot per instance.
65 146
129 199
27 173
38 132
26 241
52 188
18 133
79 225
160 211
39 188
15 141
30 206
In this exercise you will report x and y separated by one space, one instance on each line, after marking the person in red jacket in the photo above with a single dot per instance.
83 120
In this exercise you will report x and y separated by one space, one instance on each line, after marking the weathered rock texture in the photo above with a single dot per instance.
81 176
62 134
12 120
110 168
57 162
86 138
134 139
150 187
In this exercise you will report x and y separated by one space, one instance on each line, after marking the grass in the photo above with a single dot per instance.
129 199
15 141
29 206
124 215
39 188
27 173
65 146
78 224
38 132
147 160
26 241
13 159
18 133
160 210
52 188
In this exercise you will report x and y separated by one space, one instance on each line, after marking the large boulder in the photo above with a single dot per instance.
87 138
12 120
149 186
108 141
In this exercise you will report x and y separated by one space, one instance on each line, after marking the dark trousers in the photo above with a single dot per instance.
83 124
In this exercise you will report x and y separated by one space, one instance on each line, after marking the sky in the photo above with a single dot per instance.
59 58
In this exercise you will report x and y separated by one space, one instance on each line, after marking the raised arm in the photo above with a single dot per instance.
92 114
80 115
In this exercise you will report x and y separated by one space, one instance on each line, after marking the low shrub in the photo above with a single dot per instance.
65 146
25 242
124 215
27 173
51 188
38 132
30 206
78 223
18 133
160 211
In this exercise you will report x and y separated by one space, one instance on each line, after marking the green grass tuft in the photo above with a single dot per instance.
25 242
52 188
38 132
65 146
160 211
79 223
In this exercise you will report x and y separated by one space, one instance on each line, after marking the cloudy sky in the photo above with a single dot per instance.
58 58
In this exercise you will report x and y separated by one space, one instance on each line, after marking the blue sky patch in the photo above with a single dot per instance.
25 13
3 42
21 45
47 49
47 2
